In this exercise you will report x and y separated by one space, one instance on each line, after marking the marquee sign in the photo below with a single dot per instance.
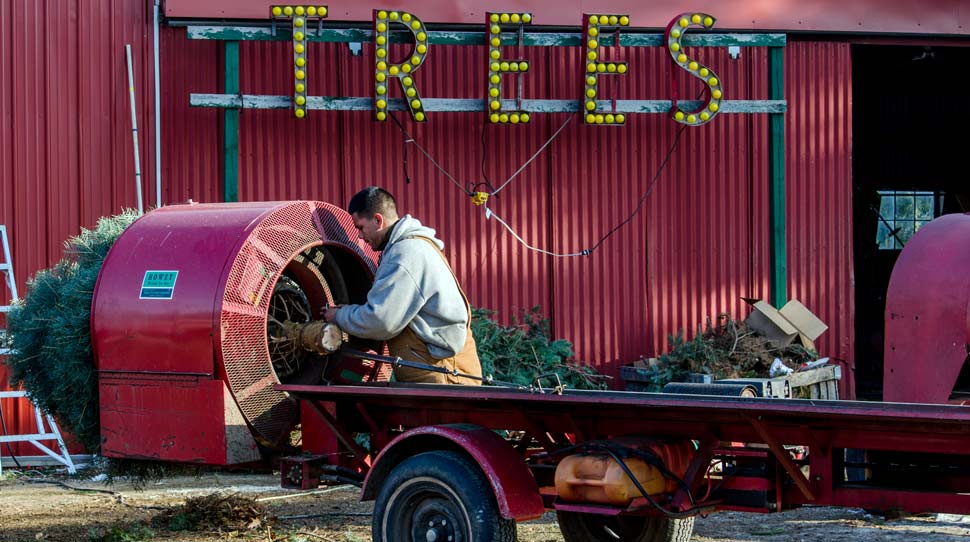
502 102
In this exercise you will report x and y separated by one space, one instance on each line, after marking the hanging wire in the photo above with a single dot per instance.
410 140
529 161
489 214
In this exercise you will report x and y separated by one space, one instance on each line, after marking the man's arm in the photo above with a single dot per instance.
393 301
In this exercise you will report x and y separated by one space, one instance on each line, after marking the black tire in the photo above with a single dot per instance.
437 495
577 527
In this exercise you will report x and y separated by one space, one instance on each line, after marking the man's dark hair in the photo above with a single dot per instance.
371 200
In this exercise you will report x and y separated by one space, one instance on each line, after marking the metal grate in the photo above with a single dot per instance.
270 246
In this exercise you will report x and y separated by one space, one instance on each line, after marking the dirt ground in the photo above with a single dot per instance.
36 506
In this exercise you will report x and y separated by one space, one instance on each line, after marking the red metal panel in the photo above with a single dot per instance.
819 182
906 16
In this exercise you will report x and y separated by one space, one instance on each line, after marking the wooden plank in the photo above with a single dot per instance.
824 373
334 103
534 39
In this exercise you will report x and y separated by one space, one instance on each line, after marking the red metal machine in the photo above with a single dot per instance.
190 317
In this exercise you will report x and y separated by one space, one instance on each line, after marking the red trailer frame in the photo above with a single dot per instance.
916 457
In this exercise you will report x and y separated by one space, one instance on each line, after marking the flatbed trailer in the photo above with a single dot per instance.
748 454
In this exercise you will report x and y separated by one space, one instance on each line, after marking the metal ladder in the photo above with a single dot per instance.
50 432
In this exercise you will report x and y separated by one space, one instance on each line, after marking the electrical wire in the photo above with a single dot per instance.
409 139
533 157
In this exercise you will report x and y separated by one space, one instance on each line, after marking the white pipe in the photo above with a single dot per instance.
134 129
158 120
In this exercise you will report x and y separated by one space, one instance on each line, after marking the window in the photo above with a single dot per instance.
903 213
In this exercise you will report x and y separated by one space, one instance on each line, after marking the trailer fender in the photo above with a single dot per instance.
515 489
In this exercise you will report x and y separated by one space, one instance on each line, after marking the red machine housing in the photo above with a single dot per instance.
188 375
928 316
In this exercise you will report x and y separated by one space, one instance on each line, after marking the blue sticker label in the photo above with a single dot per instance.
158 284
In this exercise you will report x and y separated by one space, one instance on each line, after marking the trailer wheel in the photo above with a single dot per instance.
438 496
577 527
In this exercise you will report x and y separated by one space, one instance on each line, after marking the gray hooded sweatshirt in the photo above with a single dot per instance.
413 288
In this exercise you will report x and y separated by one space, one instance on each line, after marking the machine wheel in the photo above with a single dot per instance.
438 496
577 527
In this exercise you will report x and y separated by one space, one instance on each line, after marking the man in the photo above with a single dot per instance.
415 303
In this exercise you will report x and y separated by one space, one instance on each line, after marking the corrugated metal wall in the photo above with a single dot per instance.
698 245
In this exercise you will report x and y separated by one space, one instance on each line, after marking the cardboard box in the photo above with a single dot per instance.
782 327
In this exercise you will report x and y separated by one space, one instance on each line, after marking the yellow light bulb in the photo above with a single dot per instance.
691 119
301 62
495 42
716 94
593 32
593 19
380 77
382 65
300 100
624 20
415 60
277 11
713 108
708 21
693 66
381 40
611 67
675 47
300 113
590 105
381 104
514 118
422 36
298 48
712 81
416 104
406 68
609 119
601 67
311 11
287 11
515 18
298 36
493 17
679 115
704 72
592 44
591 67
526 17
300 87
604 19
681 58
504 17
620 119
381 53
410 92
393 70
406 17
524 117
495 79
695 18
683 23
675 33
493 118
591 80
514 67
503 118
322 11
614 19
381 115
298 10
495 105
381 27
393 16
300 74
591 55
523 66
495 29
494 66
407 81
381 90
381 14
419 116
493 92
415 24
590 118
591 93
705 115
621 68
495 54
600 119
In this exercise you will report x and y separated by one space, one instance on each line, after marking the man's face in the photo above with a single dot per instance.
371 229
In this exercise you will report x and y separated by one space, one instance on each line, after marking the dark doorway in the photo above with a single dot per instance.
910 119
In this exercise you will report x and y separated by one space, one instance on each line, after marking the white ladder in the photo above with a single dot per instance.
50 432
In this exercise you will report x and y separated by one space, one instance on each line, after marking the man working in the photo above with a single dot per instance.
415 303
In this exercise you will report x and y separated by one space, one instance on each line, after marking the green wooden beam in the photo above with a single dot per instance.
230 149
535 39
776 198
331 103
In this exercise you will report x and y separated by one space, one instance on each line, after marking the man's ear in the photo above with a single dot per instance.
380 220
